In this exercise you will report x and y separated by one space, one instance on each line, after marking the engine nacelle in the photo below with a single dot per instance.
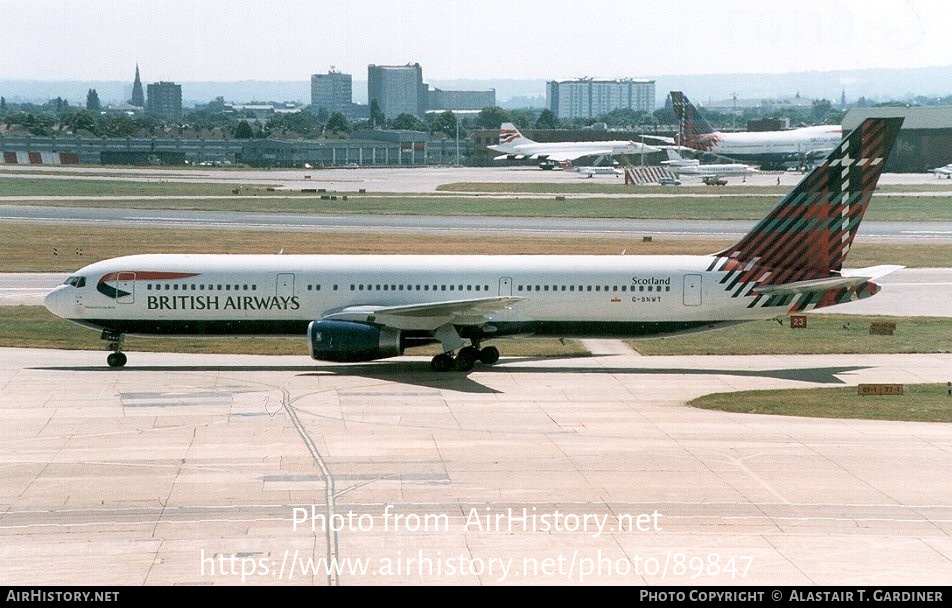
346 341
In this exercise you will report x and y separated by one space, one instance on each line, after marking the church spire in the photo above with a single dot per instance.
138 99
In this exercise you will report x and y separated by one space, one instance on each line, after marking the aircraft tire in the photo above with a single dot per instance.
489 355
116 360
466 359
442 363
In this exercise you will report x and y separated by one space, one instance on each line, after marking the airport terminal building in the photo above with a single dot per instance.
364 148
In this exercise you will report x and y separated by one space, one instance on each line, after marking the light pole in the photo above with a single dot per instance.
456 119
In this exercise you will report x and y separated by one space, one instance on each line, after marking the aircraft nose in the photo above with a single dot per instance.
56 301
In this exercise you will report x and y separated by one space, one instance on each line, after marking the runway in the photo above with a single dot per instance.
375 180
197 469
917 232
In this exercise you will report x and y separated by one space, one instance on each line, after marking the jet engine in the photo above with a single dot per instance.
346 341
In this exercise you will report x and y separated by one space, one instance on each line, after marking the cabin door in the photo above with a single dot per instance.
284 286
692 290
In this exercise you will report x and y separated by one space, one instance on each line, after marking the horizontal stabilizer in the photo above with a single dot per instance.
660 139
872 272
848 278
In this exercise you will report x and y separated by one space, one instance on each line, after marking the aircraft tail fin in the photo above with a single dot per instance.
510 135
693 129
807 235
675 158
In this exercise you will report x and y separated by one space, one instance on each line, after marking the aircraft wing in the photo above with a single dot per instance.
429 315
847 278
563 155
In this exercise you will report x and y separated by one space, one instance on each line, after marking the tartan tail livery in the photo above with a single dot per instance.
694 131
794 256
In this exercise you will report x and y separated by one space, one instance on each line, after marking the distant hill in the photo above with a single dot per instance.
874 85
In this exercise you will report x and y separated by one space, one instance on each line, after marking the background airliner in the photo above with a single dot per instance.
589 172
367 307
769 149
514 145
693 167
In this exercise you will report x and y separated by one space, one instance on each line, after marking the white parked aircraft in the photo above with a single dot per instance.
513 145
367 307
765 148
945 171
599 170
693 167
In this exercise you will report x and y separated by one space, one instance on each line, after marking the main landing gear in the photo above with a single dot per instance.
116 359
465 359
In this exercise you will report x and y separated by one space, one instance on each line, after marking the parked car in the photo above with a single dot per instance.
669 181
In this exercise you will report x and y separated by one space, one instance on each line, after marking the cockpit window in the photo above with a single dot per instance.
75 281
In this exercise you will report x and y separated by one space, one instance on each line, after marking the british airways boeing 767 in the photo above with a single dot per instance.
367 307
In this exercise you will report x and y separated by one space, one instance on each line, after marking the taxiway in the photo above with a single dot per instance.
197 469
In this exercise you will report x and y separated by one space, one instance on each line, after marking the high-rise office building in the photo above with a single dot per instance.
590 98
397 89
164 100
332 91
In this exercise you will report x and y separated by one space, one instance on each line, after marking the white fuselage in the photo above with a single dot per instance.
713 169
793 142
279 294
568 150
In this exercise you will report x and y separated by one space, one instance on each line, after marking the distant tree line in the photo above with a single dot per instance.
59 116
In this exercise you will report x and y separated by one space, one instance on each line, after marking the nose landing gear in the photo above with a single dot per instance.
116 359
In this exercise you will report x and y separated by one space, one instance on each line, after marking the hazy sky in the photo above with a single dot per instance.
227 40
